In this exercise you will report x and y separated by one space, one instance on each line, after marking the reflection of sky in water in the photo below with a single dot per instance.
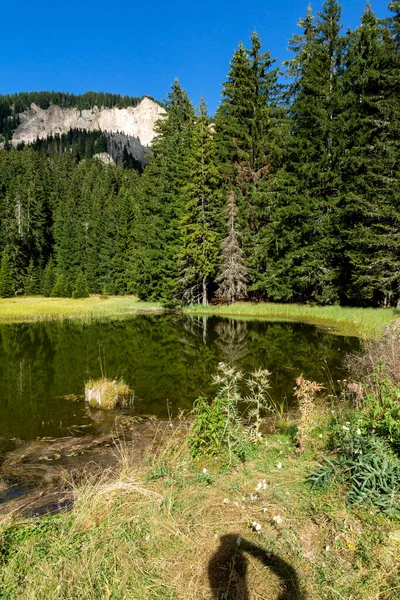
166 359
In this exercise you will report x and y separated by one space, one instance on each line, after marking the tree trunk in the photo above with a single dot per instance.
204 302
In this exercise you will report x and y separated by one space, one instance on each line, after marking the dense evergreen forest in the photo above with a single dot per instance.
125 150
291 192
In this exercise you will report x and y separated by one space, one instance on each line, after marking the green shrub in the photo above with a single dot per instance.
381 410
368 467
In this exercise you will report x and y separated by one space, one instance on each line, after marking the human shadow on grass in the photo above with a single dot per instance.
227 570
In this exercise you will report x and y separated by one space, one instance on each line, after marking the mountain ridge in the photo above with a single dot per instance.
134 121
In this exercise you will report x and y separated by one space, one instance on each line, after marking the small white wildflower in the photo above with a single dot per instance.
259 486
358 432
147 538
278 519
320 435
253 497
205 471
265 510
345 428
279 466
332 411
256 526
327 548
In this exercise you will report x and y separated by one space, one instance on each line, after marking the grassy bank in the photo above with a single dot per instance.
364 321
353 321
230 506
41 309
169 529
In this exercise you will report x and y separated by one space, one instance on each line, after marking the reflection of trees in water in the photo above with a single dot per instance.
195 325
233 341
163 357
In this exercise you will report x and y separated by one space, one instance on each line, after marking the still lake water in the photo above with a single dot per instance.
167 359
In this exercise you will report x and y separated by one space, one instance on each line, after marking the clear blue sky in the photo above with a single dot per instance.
139 47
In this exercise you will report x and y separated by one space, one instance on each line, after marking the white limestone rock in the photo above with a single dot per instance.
135 121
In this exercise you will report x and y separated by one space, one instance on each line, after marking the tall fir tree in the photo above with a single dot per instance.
247 135
304 247
161 201
371 194
201 224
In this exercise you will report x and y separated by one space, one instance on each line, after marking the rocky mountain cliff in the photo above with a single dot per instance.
136 122
123 132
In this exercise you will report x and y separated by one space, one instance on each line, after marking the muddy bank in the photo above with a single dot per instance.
38 477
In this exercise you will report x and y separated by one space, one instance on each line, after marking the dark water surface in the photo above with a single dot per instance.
167 359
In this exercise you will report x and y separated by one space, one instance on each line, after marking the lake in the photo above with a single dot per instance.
167 359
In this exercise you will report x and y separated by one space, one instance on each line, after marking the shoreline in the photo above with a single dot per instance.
360 322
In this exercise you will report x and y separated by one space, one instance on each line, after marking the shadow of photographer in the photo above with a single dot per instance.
227 570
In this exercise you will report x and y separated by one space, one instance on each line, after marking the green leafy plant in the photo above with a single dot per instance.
216 428
369 468
381 410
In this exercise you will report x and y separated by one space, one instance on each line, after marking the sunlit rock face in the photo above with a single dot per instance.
137 122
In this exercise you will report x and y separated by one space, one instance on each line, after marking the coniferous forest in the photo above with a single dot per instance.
289 193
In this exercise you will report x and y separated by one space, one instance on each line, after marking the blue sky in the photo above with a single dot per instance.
138 48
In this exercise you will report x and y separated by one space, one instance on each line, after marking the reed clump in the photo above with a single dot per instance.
107 393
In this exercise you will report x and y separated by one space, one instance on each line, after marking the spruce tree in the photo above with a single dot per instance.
7 289
305 247
32 280
247 133
48 279
81 289
161 201
232 278
200 225
370 219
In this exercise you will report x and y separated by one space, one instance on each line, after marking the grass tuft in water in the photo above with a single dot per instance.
107 393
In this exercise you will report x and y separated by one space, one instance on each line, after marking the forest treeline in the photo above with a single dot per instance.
291 193
81 143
